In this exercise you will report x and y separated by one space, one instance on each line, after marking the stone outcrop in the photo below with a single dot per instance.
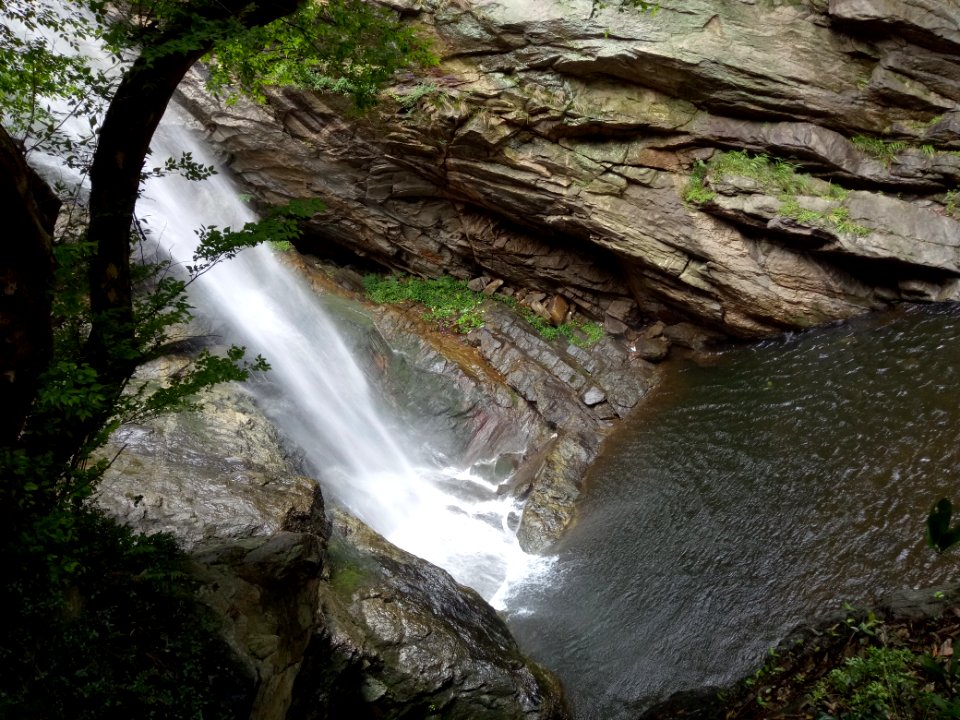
553 145
539 408
411 643
422 645
265 589
220 473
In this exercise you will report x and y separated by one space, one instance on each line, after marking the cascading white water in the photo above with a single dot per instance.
316 394
326 405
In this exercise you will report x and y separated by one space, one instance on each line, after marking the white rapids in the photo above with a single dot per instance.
321 400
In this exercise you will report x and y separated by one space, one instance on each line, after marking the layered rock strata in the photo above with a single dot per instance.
538 409
555 143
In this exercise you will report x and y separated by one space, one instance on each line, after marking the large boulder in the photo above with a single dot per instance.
324 628
216 473
399 638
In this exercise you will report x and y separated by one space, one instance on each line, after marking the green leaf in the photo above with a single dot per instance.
940 535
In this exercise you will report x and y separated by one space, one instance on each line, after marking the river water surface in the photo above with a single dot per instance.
746 497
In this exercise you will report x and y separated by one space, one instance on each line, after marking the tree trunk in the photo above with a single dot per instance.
131 119
26 279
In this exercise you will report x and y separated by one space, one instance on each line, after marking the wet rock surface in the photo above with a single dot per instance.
220 472
413 643
420 644
503 392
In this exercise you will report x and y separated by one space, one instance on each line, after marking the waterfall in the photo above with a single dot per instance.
319 397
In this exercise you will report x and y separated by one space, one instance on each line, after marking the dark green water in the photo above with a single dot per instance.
746 498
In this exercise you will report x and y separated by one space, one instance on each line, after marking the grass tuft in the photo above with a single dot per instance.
454 306
883 150
776 177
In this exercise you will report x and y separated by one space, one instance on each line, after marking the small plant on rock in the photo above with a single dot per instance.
951 203
775 177
883 150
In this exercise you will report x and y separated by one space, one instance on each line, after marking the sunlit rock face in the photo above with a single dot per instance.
554 145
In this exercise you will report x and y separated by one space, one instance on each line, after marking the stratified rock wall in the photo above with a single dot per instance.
554 147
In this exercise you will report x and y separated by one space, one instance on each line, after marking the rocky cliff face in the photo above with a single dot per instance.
534 408
568 145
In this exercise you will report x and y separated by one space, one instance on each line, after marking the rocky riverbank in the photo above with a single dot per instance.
895 659
503 392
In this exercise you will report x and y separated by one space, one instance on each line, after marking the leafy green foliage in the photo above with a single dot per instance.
862 668
449 301
280 224
121 635
776 177
344 46
838 217
940 534
282 246
581 333
887 682
409 100
105 624
926 124
50 471
45 79
72 393
185 166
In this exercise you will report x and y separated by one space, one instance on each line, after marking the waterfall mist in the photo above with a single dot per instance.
319 396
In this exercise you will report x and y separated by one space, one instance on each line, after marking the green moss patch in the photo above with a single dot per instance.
454 306
774 177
